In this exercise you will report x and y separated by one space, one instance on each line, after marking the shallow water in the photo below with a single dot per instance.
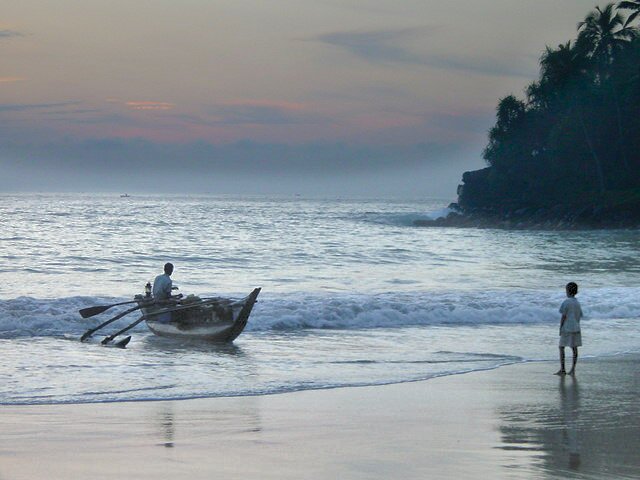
353 294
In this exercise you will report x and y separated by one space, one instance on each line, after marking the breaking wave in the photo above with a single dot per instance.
26 316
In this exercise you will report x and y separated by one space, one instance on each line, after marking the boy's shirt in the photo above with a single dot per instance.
571 308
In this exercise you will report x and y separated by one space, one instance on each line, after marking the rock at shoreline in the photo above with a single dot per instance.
558 217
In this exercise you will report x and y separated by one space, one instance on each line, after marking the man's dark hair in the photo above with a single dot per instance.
572 288
168 268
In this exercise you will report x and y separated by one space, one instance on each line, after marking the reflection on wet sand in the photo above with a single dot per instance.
167 424
586 428
234 416
570 410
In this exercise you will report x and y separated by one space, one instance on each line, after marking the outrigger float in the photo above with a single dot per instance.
214 319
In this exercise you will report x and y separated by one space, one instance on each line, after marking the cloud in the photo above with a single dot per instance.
263 112
191 119
468 120
23 107
497 67
76 111
11 79
242 167
10 34
141 105
378 45
98 118
391 47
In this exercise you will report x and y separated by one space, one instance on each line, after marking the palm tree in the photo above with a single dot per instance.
563 76
562 64
603 34
561 71
630 5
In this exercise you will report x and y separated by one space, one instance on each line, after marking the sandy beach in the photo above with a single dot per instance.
518 421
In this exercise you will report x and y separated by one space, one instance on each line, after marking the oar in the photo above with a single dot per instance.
90 332
92 311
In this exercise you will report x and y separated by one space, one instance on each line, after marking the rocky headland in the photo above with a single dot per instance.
567 156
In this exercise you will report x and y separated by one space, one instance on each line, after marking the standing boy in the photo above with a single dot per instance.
570 327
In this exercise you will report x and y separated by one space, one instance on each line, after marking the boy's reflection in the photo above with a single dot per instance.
570 407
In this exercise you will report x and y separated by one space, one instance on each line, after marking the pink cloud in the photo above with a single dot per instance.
141 105
11 79
288 106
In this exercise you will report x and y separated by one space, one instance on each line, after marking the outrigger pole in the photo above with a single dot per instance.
91 331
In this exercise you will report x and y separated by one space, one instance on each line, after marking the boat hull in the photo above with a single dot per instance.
216 320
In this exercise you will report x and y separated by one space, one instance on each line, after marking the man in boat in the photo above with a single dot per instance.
162 287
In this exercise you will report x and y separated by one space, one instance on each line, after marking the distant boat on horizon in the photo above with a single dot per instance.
125 195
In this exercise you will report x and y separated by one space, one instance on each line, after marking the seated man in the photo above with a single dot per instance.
162 287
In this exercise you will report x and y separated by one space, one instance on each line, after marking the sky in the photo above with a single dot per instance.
322 97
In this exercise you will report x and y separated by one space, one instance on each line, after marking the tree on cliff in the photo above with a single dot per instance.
576 136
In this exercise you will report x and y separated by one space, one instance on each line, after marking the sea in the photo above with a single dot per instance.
353 294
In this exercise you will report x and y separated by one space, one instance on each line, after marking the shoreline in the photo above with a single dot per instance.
294 390
515 421
557 218
463 220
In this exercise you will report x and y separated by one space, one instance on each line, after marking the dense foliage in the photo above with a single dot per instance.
575 138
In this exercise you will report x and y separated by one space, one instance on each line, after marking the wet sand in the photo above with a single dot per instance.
514 422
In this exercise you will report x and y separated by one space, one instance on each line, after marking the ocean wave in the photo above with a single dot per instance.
434 309
26 316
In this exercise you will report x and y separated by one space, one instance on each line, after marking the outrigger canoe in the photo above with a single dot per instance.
212 319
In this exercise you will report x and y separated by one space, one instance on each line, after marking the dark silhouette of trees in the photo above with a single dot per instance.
575 138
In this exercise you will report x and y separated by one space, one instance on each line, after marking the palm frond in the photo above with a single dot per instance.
629 5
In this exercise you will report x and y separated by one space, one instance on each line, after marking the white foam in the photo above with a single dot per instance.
25 316
428 308
440 213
